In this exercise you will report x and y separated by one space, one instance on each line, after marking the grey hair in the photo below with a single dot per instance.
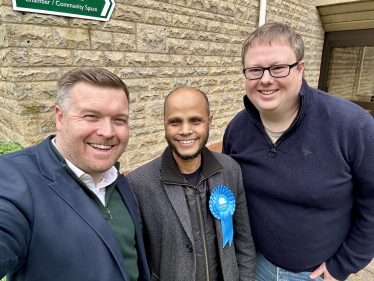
274 31
92 75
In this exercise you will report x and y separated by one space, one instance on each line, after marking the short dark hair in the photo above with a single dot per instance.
92 75
271 32
201 92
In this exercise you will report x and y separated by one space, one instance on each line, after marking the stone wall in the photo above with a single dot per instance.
351 73
154 46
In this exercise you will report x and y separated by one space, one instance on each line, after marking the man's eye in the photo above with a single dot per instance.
196 121
254 70
90 116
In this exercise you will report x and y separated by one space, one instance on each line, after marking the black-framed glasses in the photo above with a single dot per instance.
276 71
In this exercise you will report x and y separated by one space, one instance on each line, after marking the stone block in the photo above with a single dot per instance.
101 40
230 29
201 71
177 60
33 74
88 58
151 38
126 72
199 48
136 156
7 14
159 84
204 36
19 91
154 113
196 4
14 57
21 35
180 20
47 123
176 46
218 71
157 17
148 96
138 85
217 49
136 59
85 24
50 57
179 82
119 26
167 71
146 141
124 42
128 13
114 58
159 60
214 26
195 82
136 124
210 81
205 15
185 71
212 6
44 90
198 23
170 8
147 72
69 38
233 50
195 61
227 9
221 38
223 80
212 61
34 18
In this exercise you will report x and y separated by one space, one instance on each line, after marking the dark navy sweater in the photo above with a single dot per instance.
311 197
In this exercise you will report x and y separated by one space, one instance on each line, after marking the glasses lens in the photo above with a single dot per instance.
279 70
253 72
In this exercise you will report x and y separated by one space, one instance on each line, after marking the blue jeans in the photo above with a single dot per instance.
266 271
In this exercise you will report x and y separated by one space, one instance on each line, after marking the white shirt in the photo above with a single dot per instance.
108 178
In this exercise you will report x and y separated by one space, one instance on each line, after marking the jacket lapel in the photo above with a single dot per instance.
73 195
177 198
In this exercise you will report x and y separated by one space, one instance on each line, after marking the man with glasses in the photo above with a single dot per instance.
308 166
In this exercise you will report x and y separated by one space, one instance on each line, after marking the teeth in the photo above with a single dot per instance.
267 92
187 141
101 146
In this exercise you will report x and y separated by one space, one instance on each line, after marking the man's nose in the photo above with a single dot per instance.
185 128
106 128
266 77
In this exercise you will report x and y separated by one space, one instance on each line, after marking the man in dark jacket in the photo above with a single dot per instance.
65 211
308 166
192 203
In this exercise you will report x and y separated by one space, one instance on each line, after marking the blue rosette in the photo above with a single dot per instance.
222 207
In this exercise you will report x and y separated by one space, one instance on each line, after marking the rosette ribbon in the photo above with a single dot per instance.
222 207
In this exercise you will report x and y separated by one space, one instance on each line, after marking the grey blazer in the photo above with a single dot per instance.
167 230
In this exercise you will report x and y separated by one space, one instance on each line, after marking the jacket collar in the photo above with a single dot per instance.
170 172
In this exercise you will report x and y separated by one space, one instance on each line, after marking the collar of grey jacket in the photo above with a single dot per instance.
171 173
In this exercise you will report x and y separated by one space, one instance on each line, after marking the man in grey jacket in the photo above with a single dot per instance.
191 201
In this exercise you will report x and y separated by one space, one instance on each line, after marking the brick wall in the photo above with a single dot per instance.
346 78
154 46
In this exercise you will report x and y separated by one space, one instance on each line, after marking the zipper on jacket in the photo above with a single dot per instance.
106 205
202 231
273 152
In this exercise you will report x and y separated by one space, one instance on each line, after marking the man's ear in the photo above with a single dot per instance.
210 120
300 69
59 117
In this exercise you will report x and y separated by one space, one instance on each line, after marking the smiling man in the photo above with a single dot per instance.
66 212
191 201
307 162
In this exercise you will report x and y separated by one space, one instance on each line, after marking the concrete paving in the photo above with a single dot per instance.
367 274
